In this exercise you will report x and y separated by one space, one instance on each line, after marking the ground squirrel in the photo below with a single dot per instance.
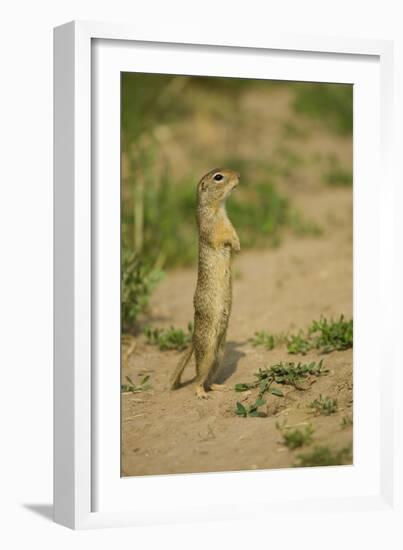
213 296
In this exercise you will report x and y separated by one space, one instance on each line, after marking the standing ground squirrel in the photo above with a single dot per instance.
213 296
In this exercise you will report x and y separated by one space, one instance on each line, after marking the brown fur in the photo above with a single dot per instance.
213 296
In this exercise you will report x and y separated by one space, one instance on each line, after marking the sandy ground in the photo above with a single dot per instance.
275 290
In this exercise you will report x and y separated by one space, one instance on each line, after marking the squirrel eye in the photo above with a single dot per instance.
218 177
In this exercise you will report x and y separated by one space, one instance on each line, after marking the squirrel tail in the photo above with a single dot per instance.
175 380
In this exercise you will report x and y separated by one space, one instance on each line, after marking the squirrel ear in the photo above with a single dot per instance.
203 185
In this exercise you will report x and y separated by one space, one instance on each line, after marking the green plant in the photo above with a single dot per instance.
301 226
252 410
296 343
324 335
336 175
158 212
287 373
168 339
324 405
346 422
136 388
269 341
259 212
329 104
291 374
138 281
287 161
331 335
295 438
292 131
323 456
149 100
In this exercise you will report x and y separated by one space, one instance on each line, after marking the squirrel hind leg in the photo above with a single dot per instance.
201 392
205 363
218 387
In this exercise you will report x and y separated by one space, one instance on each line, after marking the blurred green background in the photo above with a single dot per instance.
288 140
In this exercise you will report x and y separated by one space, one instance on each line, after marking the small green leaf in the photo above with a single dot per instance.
276 392
263 386
240 409
241 387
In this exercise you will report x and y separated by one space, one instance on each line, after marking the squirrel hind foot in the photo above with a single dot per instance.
201 392
218 387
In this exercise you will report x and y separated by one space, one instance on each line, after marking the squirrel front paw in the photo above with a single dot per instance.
236 245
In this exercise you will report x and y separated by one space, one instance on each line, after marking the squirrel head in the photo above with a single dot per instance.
215 186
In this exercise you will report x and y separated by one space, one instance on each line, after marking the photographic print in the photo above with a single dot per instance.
236 274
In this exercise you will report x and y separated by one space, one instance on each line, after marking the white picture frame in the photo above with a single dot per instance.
88 490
